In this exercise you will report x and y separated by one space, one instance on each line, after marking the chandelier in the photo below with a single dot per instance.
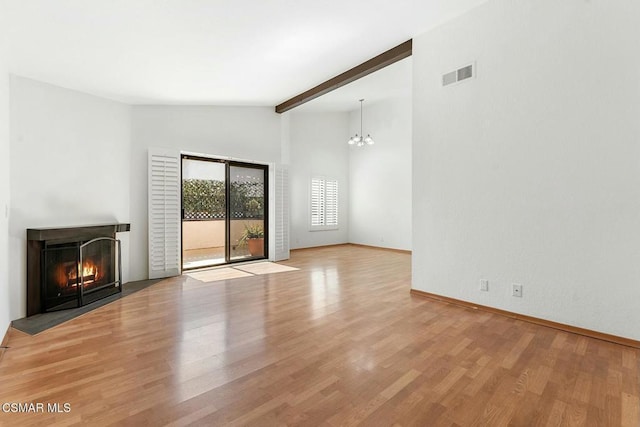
360 140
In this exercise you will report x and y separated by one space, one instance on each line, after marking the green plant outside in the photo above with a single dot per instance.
205 199
251 231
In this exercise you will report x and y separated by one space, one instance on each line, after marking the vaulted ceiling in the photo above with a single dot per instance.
215 52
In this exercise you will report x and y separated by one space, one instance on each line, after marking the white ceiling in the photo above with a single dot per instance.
216 52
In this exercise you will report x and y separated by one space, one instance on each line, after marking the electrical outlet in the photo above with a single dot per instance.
484 285
517 290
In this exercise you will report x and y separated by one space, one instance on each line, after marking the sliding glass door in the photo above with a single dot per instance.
224 208
247 201
204 210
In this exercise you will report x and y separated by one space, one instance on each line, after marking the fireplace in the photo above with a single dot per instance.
80 272
73 266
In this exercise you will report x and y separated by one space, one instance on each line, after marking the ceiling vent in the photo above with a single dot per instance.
458 75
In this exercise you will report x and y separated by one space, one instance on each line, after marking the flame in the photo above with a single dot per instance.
67 273
88 270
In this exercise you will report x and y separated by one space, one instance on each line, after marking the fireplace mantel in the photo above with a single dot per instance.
58 233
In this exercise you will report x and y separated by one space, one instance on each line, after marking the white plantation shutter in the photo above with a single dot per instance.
164 213
324 203
282 213
331 203
317 202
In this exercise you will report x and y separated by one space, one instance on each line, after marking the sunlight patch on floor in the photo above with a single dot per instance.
265 268
218 274
239 271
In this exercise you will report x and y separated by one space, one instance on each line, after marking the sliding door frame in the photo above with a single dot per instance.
265 221
227 238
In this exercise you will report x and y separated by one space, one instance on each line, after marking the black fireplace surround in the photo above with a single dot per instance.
72 266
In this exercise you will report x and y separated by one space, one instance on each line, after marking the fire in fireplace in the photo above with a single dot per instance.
73 271
89 274
67 274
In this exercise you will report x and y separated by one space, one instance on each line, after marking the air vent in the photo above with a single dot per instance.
458 75
449 78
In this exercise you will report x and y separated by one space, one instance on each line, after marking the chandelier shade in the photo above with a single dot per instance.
361 140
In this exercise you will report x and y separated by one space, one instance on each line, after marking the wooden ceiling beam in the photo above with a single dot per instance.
374 64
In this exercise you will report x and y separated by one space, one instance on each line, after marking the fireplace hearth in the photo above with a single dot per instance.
72 266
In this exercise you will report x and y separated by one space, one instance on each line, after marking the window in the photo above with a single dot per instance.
324 203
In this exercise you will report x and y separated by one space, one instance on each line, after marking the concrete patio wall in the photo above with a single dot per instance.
210 234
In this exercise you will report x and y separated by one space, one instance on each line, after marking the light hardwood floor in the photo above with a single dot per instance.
339 342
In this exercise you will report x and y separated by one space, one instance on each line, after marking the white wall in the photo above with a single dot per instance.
318 147
69 166
4 179
380 176
246 133
530 173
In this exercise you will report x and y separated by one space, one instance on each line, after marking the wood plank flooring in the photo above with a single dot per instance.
339 342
